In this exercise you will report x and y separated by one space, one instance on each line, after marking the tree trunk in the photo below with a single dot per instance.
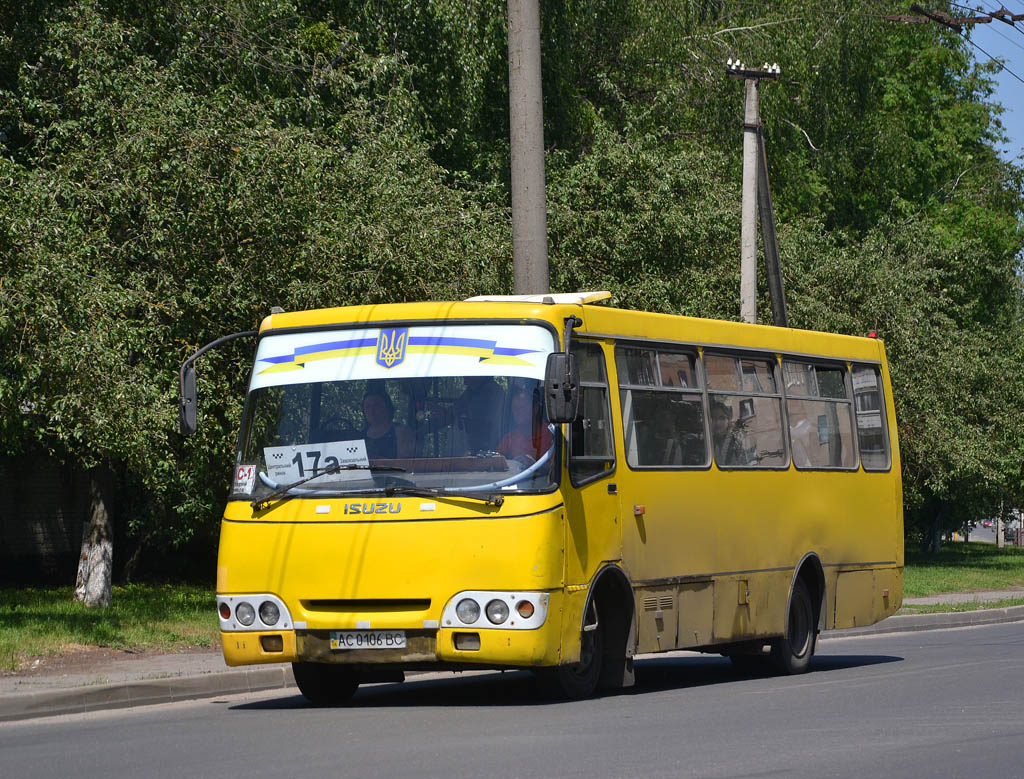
933 540
95 563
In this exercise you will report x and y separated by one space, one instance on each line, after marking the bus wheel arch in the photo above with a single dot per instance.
791 652
607 641
612 591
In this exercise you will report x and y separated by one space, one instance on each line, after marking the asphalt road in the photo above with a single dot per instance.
934 703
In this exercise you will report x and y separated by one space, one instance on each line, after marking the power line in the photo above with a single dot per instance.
957 25
1002 66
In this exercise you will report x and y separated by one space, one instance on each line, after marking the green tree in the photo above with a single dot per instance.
155 203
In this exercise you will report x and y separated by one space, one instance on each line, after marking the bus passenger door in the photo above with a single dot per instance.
593 532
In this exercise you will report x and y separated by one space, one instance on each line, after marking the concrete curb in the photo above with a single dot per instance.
948 619
147 692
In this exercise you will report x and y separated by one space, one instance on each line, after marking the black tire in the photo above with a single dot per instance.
325 684
791 653
578 680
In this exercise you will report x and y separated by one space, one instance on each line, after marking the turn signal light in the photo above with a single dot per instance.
225 611
525 609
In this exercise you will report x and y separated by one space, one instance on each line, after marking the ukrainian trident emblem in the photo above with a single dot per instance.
391 346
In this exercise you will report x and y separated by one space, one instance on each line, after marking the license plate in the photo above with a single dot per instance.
367 639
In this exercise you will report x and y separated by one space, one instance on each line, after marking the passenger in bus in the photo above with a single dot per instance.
479 410
730 447
385 440
529 437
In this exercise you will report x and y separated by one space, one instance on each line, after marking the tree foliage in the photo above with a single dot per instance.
171 171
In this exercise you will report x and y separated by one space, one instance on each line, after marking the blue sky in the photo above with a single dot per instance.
1002 41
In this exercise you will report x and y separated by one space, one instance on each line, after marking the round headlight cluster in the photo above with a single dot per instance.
496 609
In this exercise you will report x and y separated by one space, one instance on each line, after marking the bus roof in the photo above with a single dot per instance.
598 320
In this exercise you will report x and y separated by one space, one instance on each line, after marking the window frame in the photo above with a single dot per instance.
883 416
606 385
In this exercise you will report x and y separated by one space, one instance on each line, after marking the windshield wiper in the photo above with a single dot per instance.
280 492
442 492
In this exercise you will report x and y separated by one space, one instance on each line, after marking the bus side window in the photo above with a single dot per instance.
872 431
820 418
591 448
662 408
746 412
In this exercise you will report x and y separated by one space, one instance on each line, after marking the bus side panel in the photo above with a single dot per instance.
708 525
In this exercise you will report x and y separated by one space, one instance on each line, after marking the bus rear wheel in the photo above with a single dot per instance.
791 653
325 684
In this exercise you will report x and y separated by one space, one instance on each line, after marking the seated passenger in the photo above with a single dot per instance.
730 447
529 437
384 439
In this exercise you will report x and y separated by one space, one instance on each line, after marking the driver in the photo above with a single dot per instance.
529 437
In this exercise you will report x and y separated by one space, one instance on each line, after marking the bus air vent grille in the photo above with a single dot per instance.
363 605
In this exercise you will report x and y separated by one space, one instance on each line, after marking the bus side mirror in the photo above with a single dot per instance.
561 388
187 402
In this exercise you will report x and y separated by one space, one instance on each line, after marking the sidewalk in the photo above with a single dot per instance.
139 680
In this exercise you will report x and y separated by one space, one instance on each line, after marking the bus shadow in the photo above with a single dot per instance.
519 688
673 673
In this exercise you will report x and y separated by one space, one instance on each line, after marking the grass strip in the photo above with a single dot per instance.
46 621
962 567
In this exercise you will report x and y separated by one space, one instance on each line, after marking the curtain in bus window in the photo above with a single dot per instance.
872 433
820 419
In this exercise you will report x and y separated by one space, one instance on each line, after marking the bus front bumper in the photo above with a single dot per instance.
424 648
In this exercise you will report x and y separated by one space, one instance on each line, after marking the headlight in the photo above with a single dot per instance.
497 611
245 613
269 613
468 610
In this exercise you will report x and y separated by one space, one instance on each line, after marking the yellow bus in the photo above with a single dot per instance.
549 483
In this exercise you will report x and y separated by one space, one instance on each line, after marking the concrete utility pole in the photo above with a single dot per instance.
748 230
757 197
526 120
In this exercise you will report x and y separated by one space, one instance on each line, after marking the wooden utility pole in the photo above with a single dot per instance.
526 121
757 198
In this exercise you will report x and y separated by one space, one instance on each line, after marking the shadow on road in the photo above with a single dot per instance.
519 688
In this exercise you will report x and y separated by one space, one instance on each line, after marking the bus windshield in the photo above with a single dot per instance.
451 408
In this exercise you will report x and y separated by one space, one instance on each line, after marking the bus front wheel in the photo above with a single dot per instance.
578 680
325 684
791 653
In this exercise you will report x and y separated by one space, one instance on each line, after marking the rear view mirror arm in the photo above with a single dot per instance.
187 381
